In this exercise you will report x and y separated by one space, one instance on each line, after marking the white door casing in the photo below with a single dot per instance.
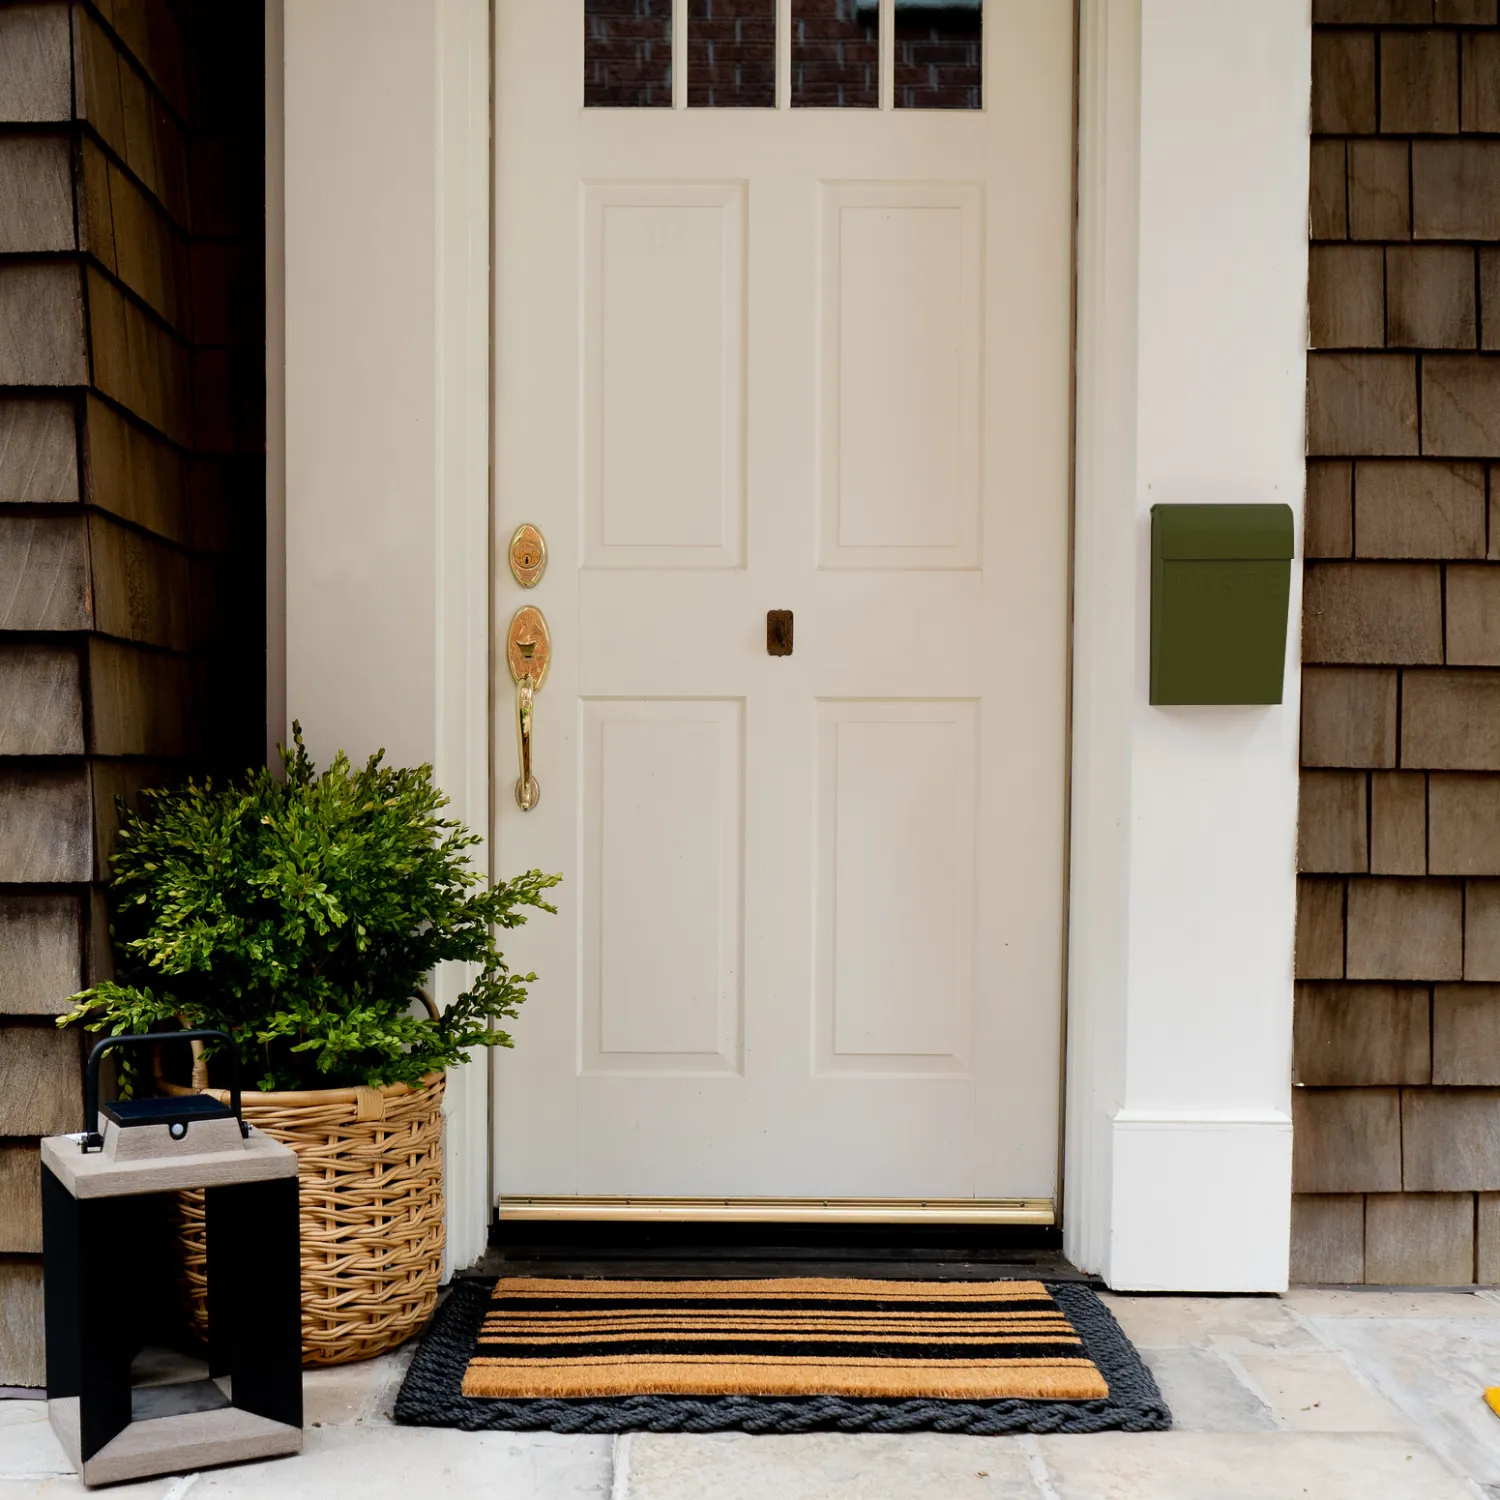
810 936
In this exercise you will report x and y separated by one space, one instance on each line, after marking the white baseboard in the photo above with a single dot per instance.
1201 1202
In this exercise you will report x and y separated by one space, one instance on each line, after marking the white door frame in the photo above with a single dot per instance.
1191 330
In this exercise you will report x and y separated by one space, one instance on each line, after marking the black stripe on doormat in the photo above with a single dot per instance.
800 1348
670 1302
431 1394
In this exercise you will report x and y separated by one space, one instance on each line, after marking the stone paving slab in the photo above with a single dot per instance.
360 1393
1175 1322
1436 1370
1317 1390
1205 1394
824 1466
1247 1466
377 1463
28 1448
412 1463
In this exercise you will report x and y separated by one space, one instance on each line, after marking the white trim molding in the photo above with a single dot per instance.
386 420
1200 1203
1192 275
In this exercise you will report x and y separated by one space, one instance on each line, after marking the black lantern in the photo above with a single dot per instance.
93 1187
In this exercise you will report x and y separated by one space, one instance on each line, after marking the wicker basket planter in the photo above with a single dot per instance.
371 1179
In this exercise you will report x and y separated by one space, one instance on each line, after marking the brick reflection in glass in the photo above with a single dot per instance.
731 54
836 54
627 54
939 59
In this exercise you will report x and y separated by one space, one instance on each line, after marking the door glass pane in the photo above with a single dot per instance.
732 54
836 53
938 54
627 54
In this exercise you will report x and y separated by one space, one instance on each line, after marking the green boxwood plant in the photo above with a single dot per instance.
301 915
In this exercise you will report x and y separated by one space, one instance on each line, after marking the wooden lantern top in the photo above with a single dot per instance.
101 1174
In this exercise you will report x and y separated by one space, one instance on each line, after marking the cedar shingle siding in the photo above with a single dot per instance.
1397 1054
132 478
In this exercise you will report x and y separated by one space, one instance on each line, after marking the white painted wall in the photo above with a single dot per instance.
386 420
1192 296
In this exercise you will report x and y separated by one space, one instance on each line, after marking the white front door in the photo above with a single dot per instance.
782 322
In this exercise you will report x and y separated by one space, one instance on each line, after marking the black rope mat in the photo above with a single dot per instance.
431 1395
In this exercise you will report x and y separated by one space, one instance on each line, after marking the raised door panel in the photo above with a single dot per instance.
900 362
896 891
664 375
662 912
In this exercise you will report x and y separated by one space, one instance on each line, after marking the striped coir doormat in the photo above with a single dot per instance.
778 1355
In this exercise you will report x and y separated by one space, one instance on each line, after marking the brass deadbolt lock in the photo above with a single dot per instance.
528 556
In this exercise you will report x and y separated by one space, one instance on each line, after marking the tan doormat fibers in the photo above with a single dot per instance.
794 1336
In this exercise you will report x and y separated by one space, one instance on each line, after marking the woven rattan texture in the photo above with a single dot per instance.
431 1395
370 1174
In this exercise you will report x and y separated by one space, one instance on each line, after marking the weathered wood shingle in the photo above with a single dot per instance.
1404 929
113 641
41 324
1398 822
38 450
41 952
36 193
1333 823
1430 301
41 687
1419 1239
1348 717
44 573
36 82
1346 1140
1419 509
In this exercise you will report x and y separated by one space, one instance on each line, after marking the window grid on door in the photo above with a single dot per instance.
781 54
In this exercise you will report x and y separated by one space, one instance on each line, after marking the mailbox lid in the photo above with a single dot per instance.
1222 533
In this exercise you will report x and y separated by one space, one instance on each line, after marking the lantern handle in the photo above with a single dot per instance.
92 1139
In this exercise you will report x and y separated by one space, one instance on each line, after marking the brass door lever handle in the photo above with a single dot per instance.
528 650
527 790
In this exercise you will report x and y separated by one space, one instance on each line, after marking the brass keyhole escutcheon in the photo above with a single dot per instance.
528 645
528 556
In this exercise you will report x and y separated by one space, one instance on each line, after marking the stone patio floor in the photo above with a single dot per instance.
1337 1395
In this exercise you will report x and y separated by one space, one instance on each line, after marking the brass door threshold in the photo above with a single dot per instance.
783 1210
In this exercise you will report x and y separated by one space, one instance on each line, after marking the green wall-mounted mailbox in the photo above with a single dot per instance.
1220 579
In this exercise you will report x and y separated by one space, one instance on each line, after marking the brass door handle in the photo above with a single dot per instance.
528 650
527 790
